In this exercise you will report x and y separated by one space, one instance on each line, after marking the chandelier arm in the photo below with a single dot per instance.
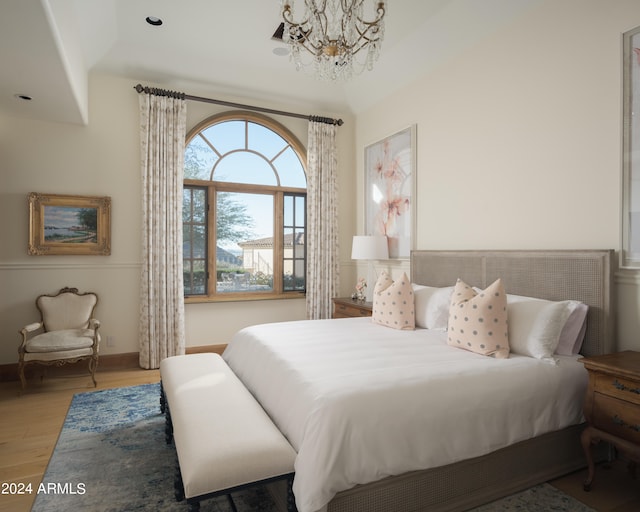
333 38
380 15
362 31
322 22
298 34
362 41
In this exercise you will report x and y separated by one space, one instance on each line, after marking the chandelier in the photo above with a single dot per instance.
333 37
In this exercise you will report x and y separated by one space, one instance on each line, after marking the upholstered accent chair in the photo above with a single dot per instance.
66 332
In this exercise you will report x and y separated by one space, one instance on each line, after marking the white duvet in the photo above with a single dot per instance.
360 402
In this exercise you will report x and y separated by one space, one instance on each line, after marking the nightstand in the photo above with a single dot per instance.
346 307
612 405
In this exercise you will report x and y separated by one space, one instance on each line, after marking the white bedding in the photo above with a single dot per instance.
360 402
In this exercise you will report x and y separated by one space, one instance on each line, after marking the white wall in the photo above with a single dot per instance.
103 158
518 145
519 138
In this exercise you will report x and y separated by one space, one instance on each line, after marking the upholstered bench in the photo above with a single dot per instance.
225 441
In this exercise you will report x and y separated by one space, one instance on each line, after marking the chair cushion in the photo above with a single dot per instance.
57 341
58 356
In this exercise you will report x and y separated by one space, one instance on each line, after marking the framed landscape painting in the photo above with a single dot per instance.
60 224
389 167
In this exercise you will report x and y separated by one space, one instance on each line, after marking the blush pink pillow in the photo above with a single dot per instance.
393 302
478 321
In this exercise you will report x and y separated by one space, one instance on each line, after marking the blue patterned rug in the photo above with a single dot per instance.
111 456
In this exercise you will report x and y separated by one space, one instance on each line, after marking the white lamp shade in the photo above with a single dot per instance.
370 248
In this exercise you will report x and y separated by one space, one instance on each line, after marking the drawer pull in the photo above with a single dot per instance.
621 423
619 385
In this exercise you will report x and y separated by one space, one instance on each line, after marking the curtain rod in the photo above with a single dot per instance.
180 95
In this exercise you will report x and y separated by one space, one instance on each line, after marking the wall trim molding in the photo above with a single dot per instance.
68 266
627 276
107 362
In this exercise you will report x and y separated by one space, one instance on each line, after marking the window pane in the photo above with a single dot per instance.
198 278
298 244
226 136
294 243
199 160
244 234
288 210
301 208
245 167
265 141
290 169
194 235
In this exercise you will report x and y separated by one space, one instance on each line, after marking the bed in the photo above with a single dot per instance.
357 402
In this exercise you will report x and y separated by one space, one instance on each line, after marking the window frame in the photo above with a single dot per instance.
630 160
277 191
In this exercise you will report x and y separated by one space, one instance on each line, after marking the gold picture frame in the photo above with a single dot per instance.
71 225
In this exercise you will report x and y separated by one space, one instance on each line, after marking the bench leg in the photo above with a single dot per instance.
291 499
163 399
168 425
194 505
231 503
178 486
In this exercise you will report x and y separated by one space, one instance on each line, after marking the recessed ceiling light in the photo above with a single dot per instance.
152 20
23 97
281 51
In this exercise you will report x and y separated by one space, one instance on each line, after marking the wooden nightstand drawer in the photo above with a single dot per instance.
618 387
617 417
346 311
347 308
612 405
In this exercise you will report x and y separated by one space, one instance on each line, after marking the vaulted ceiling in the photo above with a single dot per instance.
48 48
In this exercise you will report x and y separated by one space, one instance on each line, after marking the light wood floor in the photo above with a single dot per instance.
30 424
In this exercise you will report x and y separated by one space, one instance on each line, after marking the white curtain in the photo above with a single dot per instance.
322 220
162 140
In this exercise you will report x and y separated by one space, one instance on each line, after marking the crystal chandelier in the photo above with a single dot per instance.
333 37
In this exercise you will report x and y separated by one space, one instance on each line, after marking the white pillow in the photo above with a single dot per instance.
432 306
535 325
572 335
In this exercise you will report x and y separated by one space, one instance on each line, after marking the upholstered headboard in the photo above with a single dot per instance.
586 276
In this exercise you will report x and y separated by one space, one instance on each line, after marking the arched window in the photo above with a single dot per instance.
244 209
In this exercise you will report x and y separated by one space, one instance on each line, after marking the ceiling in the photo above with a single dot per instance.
48 48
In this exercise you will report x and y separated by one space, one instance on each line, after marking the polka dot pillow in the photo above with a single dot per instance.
393 302
478 321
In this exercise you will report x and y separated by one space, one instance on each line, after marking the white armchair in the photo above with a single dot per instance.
67 332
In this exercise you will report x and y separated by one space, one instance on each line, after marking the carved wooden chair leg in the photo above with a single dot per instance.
23 381
586 440
93 365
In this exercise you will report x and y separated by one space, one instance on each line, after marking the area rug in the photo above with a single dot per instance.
111 456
